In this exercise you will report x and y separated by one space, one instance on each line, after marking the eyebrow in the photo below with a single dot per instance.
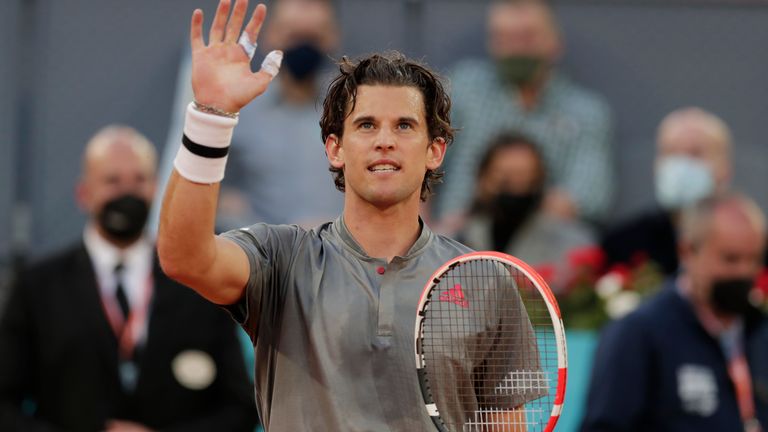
370 118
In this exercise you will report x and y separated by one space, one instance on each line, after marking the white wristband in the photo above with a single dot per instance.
210 133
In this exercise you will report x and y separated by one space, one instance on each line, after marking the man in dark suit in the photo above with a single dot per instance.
97 338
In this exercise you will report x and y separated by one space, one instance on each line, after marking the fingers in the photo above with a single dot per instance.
271 63
219 23
236 21
259 82
257 19
196 30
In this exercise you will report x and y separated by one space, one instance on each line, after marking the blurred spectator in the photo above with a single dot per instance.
277 153
97 338
507 214
687 359
518 88
693 161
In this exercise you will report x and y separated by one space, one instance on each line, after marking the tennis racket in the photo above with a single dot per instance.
490 346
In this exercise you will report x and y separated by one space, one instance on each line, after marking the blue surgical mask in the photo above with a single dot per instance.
682 181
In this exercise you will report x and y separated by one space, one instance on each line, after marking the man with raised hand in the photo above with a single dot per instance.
331 310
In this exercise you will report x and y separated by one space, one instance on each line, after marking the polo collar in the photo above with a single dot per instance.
340 228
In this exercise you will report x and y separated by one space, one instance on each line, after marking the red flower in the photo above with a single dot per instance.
547 271
586 257
623 271
762 282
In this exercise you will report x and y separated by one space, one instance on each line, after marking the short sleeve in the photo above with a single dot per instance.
270 250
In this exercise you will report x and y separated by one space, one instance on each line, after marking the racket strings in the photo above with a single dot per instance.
490 354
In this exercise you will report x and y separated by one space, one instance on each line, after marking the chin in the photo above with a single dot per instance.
392 198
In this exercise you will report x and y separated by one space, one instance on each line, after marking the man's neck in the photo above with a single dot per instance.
530 94
296 92
714 323
383 233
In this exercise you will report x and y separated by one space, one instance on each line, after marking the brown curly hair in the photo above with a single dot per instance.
389 69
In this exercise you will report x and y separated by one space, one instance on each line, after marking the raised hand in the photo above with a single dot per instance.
221 71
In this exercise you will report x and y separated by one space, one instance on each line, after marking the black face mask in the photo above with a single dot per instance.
303 60
124 217
509 212
731 296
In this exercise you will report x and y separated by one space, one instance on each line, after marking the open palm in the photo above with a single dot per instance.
221 71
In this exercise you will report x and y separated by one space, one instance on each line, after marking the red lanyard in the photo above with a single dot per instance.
738 369
128 331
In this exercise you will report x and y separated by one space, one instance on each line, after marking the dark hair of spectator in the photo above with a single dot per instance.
512 140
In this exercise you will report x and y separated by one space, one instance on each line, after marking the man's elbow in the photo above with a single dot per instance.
171 261
167 264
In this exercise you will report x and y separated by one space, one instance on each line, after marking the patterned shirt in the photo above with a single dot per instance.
571 125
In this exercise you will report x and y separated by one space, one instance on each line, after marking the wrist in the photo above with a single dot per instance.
203 154
215 110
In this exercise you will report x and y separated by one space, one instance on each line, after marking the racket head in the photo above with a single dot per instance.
489 346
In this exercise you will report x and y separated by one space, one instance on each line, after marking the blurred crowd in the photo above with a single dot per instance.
680 289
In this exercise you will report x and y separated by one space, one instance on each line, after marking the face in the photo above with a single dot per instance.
112 168
732 248
694 138
296 21
514 170
385 150
522 29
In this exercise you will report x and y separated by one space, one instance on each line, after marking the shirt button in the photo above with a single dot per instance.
380 270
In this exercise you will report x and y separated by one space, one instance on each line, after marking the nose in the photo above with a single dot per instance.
385 140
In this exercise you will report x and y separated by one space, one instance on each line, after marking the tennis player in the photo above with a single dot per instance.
330 311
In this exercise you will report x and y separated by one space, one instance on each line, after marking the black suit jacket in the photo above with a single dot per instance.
59 363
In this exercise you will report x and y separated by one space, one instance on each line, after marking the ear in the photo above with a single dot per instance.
686 251
436 153
334 151
82 196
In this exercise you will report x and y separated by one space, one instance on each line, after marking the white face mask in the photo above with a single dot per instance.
681 181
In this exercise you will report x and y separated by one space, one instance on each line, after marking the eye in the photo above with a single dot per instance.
366 125
404 126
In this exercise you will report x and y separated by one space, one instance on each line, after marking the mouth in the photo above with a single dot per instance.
383 167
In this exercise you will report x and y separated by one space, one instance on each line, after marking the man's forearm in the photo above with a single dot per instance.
186 240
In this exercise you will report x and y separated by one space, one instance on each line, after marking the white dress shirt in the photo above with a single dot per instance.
136 276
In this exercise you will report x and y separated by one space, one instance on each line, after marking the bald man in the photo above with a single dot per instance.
693 357
693 162
96 338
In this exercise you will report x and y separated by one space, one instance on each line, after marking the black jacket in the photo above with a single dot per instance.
59 363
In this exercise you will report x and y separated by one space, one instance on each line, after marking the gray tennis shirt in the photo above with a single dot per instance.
333 328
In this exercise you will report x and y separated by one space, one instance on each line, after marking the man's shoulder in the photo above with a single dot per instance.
572 232
656 314
260 232
471 71
643 226
67 259
449 247
579 97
